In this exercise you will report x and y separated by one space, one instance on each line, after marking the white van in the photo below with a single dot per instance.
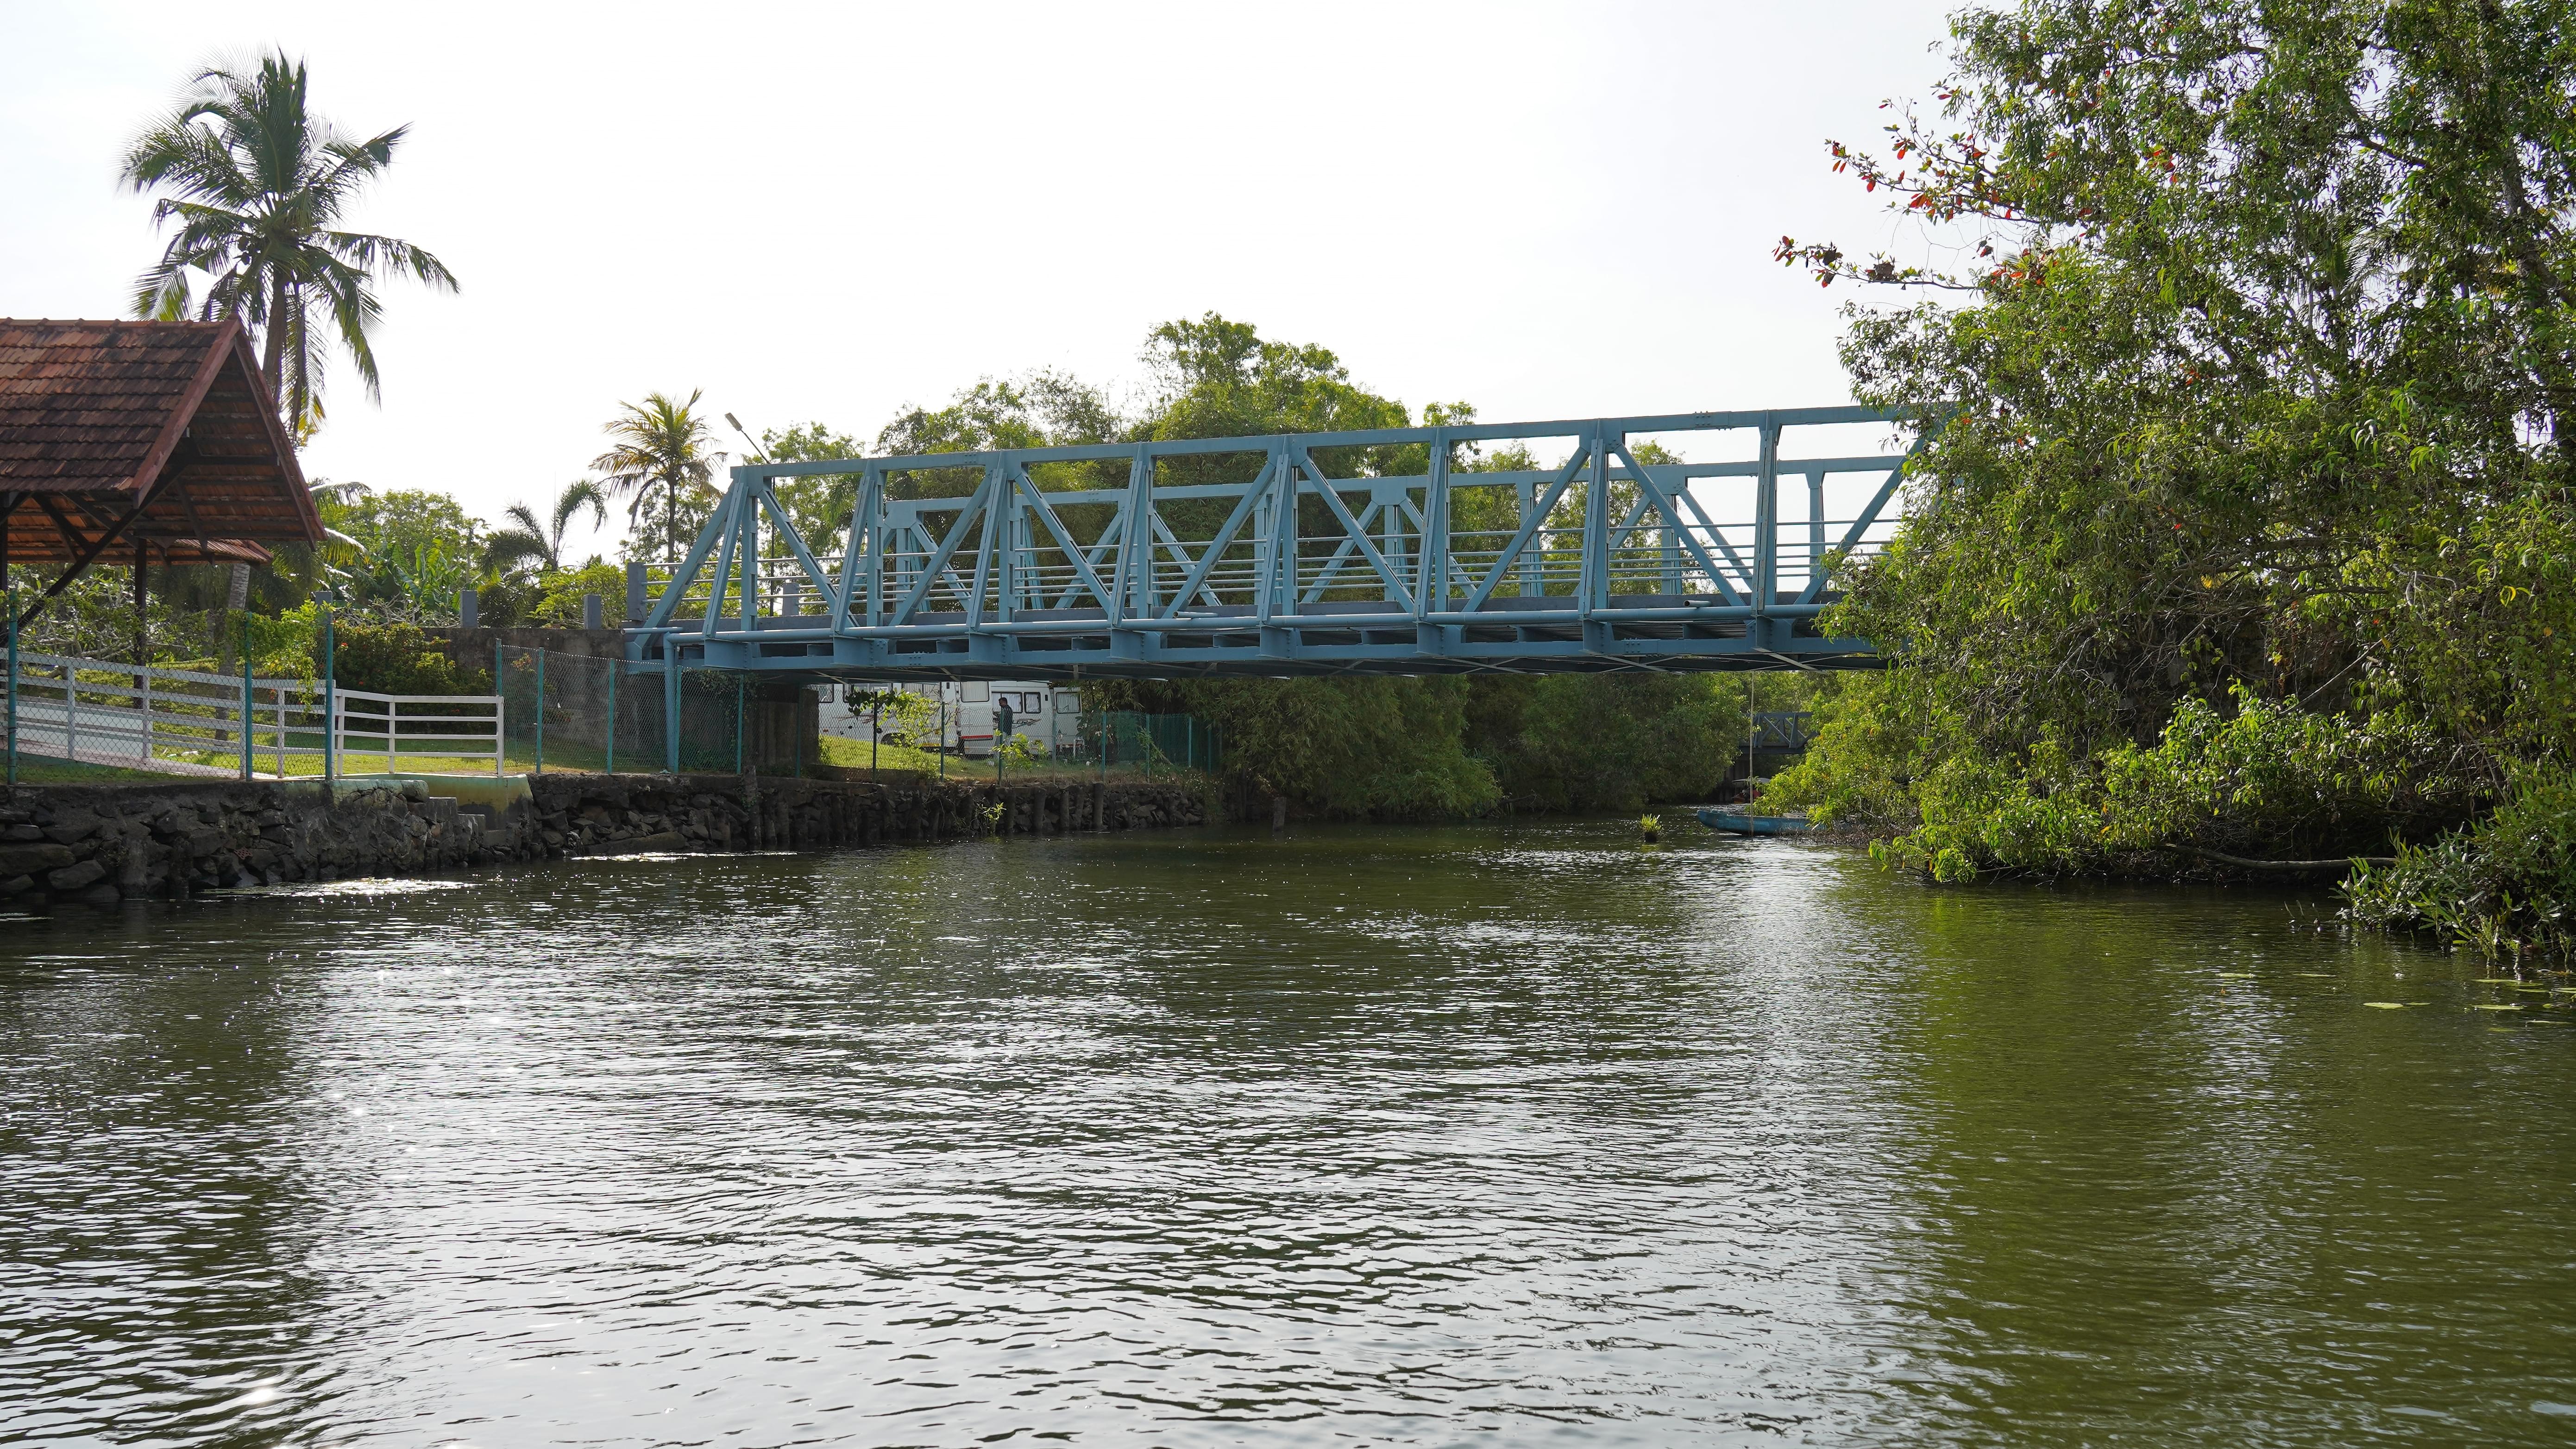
1047 716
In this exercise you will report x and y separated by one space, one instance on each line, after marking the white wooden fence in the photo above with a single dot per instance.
184 722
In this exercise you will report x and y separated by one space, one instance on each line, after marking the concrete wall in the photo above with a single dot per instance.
99 844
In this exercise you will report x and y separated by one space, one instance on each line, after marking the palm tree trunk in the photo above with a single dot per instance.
272 360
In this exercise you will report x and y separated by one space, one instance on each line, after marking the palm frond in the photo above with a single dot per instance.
253 185
577 495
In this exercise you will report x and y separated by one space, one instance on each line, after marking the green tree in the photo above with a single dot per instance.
662 449
820 503
2259 402
258 186
1595 742
534 541
1041 409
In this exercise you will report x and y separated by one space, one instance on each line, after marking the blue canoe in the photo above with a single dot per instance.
1737 822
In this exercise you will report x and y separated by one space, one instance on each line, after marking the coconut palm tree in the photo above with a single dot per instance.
531 539
258 184
662 448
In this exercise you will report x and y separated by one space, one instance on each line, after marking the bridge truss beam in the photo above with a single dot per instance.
1386 551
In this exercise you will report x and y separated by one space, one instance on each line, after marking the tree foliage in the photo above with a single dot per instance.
665 449
2258 409
257 186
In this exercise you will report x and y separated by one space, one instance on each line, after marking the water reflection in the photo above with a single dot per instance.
1375 1136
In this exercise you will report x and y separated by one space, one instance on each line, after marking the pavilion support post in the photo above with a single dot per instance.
142 601
9 505
13 685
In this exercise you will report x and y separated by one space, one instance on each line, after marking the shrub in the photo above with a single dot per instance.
398 659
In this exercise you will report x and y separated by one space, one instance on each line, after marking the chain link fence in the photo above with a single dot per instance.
566 711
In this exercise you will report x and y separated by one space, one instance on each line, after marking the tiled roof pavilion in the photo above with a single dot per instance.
158 434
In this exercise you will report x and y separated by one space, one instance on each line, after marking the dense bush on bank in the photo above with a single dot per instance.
2244 521
1415 749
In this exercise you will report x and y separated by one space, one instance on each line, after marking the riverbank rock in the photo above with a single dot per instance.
99 844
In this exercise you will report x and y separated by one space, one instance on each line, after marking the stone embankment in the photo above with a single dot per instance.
100 844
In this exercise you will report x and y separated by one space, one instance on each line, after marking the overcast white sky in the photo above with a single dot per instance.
826 212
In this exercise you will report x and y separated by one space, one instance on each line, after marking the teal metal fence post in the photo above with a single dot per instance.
670 704
611 768
330 705
13 686
541 712
246 700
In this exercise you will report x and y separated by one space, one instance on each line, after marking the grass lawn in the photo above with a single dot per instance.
40 770
853 755
844 754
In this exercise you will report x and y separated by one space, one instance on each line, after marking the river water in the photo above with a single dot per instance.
1506 1135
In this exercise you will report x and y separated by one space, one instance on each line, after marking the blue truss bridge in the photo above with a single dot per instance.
1396 551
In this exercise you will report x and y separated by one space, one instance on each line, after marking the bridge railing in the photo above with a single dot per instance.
1331 550
191 722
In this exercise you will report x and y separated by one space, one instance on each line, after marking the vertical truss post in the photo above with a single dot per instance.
1766 529
747 518
722 578
1131 587
863 555
1669 536
1135 584
982 511
1288 486
1390 502
1275 560
1265 523
1815 527
1018 563
1265 540
1531 584
1002 524
1592 574
1431 564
